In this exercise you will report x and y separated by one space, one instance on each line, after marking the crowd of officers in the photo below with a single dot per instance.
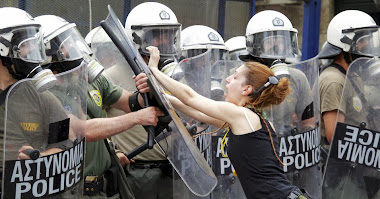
46 46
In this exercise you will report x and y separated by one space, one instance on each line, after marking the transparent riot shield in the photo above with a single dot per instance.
118 71
196 73
228 184
176 142
296 121
43 145
352 169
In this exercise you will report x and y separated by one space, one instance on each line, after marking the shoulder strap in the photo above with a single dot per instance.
246 117
3 95
337 66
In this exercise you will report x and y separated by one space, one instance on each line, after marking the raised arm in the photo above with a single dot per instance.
193 113
223 111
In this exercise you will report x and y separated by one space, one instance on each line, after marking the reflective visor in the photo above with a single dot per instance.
215 54
68 46
27 44
165 38
273 44
366 41
235 55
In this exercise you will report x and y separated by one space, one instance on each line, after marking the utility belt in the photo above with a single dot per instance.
298 194
107 183
93 185
164 165
139 164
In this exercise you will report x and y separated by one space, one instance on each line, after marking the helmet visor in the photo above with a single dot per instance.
215 54
234 55
27 44
366 42
273 44
165 38
68 46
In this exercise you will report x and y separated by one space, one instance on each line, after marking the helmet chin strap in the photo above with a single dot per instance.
350 57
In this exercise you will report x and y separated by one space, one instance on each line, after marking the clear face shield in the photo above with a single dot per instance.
216 53
69 50
27 52
234 55
366 41
27 45
67 46
279 44
165 37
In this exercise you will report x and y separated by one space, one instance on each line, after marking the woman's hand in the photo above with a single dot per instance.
154 56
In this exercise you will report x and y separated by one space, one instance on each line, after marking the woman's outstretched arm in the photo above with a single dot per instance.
187 110
223 111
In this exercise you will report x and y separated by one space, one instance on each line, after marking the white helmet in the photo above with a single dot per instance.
100 43
90 35
63 42
21 46
154 24
351 31
270 34
236 47
197 39
18 28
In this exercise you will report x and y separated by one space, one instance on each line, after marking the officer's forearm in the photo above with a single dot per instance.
101 128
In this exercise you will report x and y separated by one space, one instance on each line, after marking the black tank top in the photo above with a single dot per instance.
260 173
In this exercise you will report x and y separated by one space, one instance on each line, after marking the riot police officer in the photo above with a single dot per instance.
236 47
150 23
67 50
344 45
196 40
28 110
347 90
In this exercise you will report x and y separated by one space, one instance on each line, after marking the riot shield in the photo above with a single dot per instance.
182 152
43 146
228 184
296 121
352 169
196 73
118 71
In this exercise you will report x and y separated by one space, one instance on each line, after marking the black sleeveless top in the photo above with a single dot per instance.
260 173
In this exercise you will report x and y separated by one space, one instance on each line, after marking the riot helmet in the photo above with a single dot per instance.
21 46
354 33
236 47
154 24
102 46
270 36
65 47
198 39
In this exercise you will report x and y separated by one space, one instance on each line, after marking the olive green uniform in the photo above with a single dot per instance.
28 117
149 182
101 93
